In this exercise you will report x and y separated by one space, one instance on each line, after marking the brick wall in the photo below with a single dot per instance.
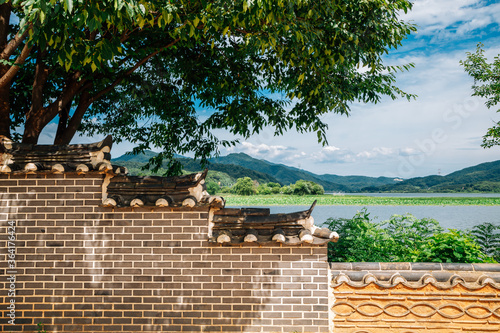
416 297
85 268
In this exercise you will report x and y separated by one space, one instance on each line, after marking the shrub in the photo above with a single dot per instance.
263 189
402 238
287 189
213 188
225 189
452 246
488 237
360 240
407 233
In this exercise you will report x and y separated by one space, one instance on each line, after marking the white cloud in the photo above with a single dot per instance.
377 152
452 17
263 150
409 151
331 154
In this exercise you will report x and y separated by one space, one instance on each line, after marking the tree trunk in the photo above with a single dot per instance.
4 92
33 125
4 24
5 111
65 136
63 121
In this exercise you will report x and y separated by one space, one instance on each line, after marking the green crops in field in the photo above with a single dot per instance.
348 200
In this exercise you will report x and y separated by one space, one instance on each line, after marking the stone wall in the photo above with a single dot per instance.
414 297
81 267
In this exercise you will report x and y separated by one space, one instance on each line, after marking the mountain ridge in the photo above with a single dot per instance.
484 177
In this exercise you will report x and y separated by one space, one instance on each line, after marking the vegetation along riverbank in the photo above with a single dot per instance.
355 200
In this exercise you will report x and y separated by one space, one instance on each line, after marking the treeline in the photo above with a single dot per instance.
479 187
247 186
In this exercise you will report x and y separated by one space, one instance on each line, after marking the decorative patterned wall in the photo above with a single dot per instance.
411 298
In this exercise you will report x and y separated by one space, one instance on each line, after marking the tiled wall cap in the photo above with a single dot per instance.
341 278
396 278
351 274
78 158
426 266
364 266
151 191
257 226
428 278
485 279
487 267
369 278
456 279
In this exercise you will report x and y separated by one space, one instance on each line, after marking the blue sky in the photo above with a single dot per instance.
438 133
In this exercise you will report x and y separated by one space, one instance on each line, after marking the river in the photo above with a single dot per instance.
456 217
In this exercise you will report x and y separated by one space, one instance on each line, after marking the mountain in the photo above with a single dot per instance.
135 162
284 174
484 177
141 158
288 175
241 165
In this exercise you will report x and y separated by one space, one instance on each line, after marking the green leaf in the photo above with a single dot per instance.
68 5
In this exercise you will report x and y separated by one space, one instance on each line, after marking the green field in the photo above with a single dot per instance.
354 200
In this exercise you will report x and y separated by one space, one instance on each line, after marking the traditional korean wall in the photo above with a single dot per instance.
416 297
80 267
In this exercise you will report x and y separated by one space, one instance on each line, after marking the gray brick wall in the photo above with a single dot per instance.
85 268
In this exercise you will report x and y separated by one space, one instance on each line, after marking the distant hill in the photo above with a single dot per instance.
284 174
135 162
288 175
242 165
484 177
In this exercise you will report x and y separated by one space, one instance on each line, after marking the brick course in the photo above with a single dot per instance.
86 268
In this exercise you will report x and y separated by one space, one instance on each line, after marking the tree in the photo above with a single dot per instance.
306 187
274 187
213 188
244 186
141 70
487 85
263 189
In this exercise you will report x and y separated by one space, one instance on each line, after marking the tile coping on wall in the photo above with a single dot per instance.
416 275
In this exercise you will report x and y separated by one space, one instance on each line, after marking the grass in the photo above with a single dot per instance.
355 200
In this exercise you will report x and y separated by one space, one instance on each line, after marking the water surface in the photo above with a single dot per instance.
456 217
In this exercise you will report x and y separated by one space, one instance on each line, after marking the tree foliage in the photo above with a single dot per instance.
142 70
488 237
306 187
244 186
487 85
402 238
452 246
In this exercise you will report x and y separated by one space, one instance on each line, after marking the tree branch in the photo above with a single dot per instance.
38 116
14 44
130 71
7 77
